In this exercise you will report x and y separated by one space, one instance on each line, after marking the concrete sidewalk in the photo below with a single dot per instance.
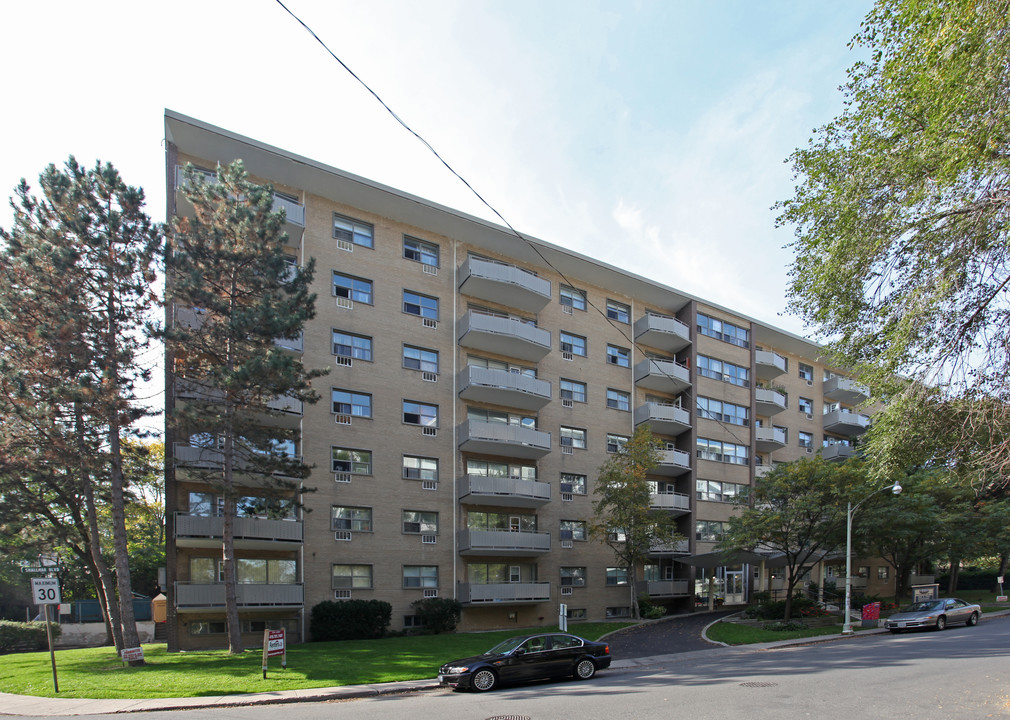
31 706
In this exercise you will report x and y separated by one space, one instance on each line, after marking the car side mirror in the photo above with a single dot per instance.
520 651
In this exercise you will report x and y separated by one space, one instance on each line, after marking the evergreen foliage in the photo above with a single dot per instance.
438 615
349 620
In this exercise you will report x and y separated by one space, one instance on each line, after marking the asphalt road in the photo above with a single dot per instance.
674 634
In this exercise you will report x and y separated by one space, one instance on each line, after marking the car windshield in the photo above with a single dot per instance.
506 646
923 606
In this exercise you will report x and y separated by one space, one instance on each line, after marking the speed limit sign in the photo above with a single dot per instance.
46 591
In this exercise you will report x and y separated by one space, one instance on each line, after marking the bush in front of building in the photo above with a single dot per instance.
349 620
25 636
764 608
438 615
970 579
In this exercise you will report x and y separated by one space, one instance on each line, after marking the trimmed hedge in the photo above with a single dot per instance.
25 637
438 615
349 620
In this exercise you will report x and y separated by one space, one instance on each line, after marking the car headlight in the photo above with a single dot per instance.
456 669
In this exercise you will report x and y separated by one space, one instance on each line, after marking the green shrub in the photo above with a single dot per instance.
25 637
783 626
654 612
349 620
768 610
970 579
438 615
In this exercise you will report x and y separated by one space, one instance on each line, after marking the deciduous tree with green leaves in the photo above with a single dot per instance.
233 292
796 511
901 218
624 516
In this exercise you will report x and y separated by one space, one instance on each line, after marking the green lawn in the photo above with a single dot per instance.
98 673
737 634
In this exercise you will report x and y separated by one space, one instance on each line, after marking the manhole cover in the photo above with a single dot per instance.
509 717
758 684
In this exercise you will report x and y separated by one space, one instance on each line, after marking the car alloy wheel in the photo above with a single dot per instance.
484 680
941 622
973 620
585 669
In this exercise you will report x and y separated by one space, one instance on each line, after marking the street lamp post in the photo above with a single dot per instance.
847 623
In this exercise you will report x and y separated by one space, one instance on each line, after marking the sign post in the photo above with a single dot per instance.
273 645
563 617
46 592
1002 596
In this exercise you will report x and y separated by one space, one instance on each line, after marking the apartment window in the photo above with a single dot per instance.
618 399
616 443
806 439
501 521
572 390
617 576
723 411
576 614
806 405
713 491
709 530
883 572
618 356
573 530
863 571
501 416
352 231
348 402
352 288
806 372
259 571
358 462
619 612
415 358
573 298
420 576
356 519
618 311
574 344
719 451
420 522
720 330
490 468
573 483
349 345
417 304
727 372
573 577
481 362
420 251
352 577
415 413
206 571
573 437
207 628
420 468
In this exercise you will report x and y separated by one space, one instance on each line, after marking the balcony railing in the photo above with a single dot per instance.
837 451
671 501
294 210
504 336
204 458
503 491
769 402
662 375
672 463
845 422
195 596
663 419
504 284
770 438
666 588
662 332
245 528
501 387
503 542
769 364
520 592
494 438
846 390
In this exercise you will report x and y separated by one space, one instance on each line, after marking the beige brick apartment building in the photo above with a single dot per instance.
477 382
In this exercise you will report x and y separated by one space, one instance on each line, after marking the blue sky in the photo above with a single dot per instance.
649 134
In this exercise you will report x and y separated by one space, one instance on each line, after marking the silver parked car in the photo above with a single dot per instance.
934 614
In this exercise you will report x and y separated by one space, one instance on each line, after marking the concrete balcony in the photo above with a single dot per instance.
762 470
503 491
251 533
503 543
191 318
769 439
206 459
284 411
296 344
501 387
676 503
769 365
294 211
504 284
662 332
504 336
672 463
492 438
846 390
665 588
845 422
663 419
837 451
520 593
663 376
769 402
192 597
678 548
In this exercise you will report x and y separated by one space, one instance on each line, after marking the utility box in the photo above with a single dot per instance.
159 608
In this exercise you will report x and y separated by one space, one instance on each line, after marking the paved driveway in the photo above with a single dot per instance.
675 634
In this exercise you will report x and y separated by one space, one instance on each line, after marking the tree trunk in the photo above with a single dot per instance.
235 644
955 571
635 614
128 622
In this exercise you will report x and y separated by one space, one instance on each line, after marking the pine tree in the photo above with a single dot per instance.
233 293
75 293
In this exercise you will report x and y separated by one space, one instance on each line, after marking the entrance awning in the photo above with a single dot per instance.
718 559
